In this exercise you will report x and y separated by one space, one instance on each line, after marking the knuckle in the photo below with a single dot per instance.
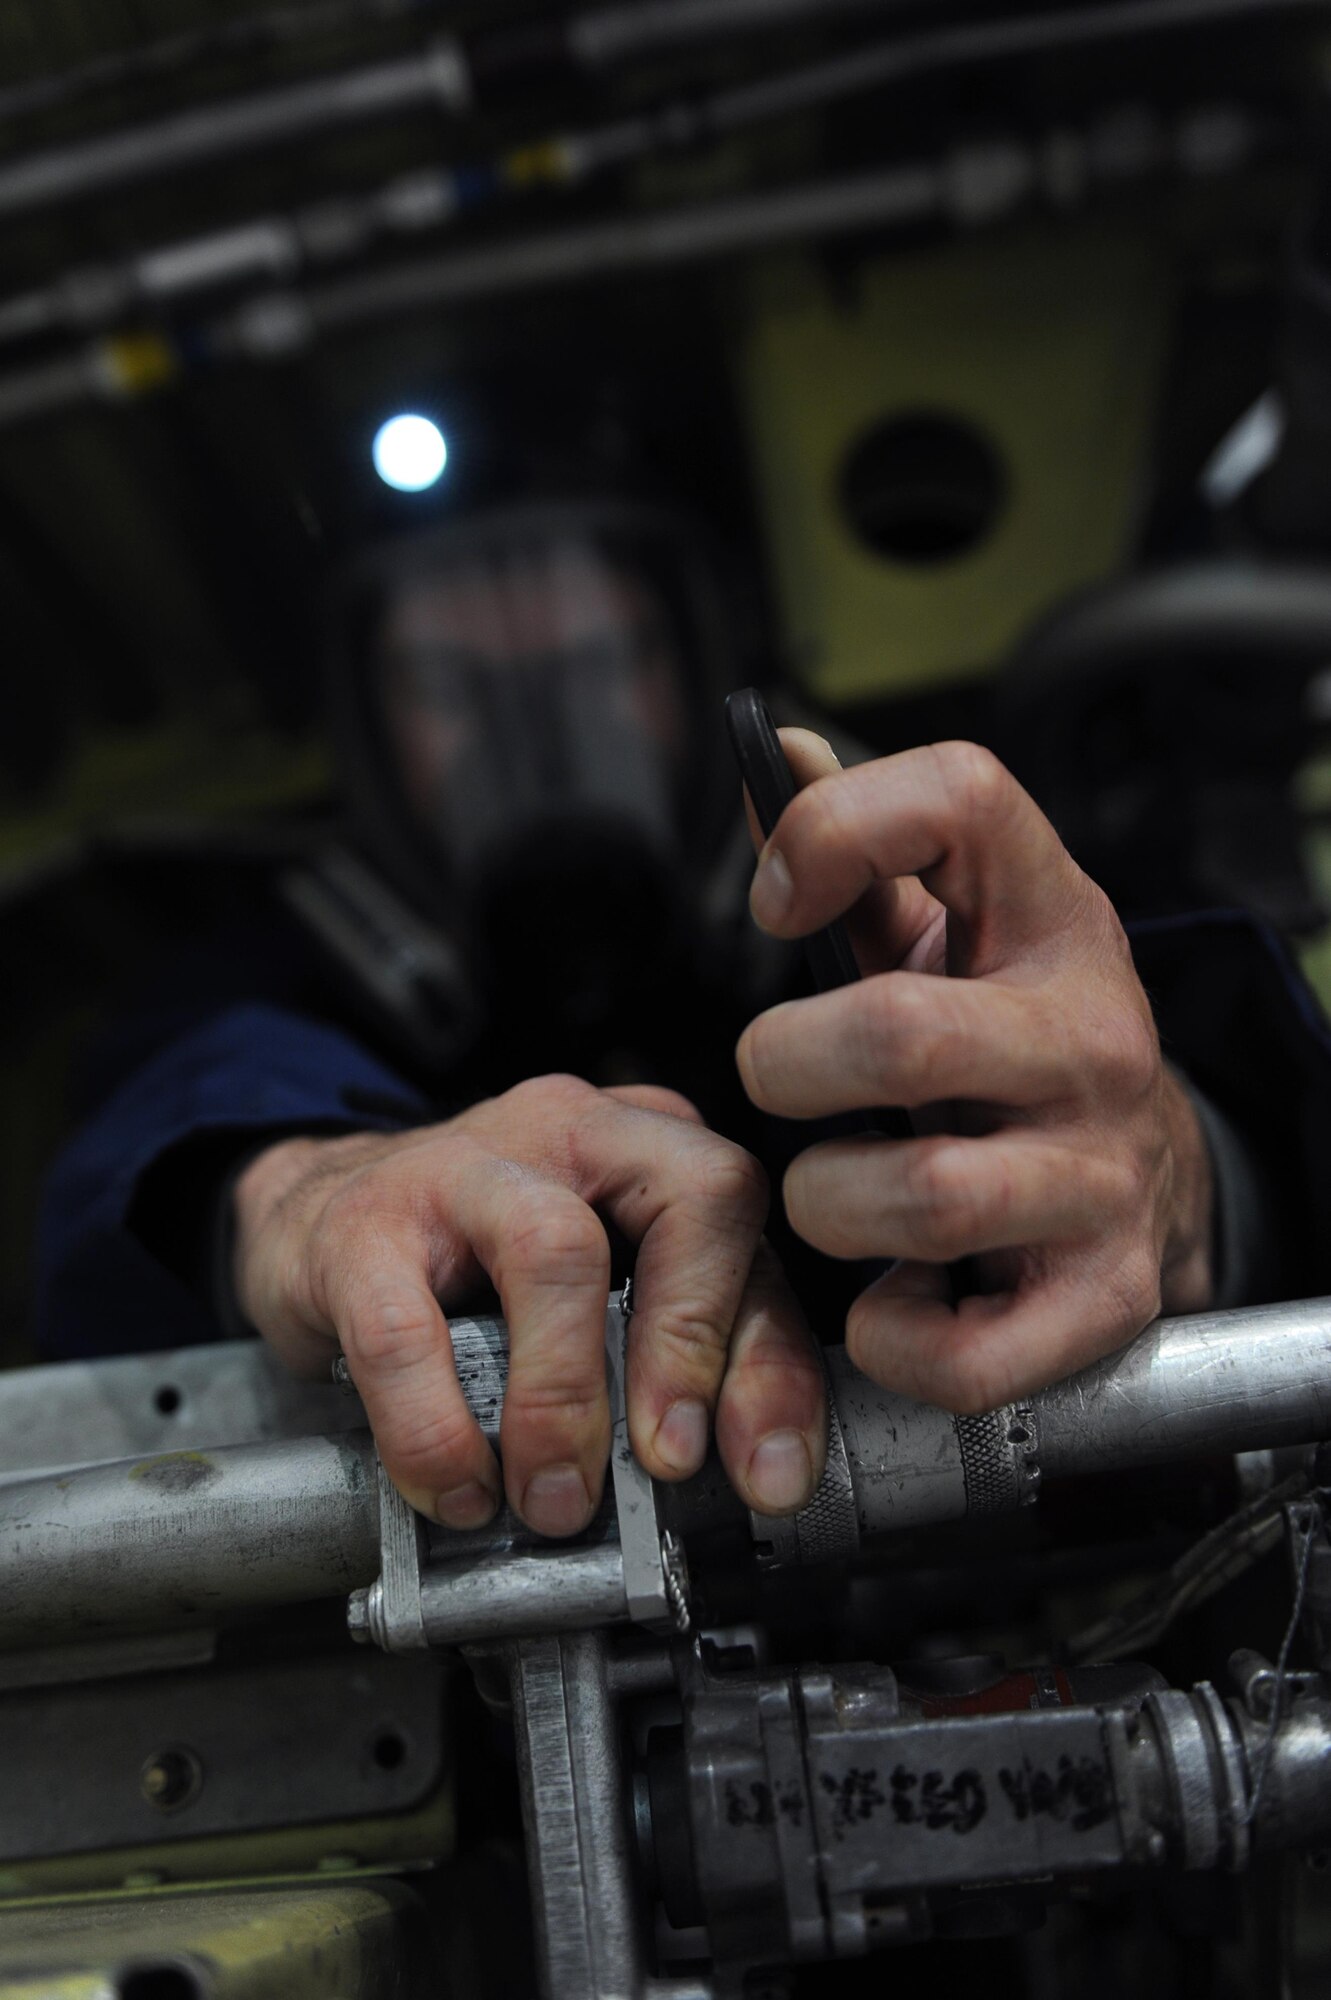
979 787
351 1207
674 1104
730 1182
968 1385
932 1186
556 1238
390 1330
1126 1054
902 1030
1121 1183
421 1448
814 815
571 1396
538 1096
687 1345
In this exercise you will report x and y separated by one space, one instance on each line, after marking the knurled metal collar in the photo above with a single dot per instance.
825 1531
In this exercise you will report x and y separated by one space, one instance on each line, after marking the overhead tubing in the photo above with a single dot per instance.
278 248
434 76
442 75
970 187
598 39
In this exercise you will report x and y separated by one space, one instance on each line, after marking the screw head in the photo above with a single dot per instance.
171 1778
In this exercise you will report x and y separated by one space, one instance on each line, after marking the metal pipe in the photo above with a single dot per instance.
440 75
1186 1388
658 240
1214 1382
435 76
972 186
277 248
969 186
182 1538
507 1596
232 40
186 1536
603 38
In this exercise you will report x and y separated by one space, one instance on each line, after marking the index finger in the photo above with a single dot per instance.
950 814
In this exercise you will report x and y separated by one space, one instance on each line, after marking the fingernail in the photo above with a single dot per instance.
681 1436
772 890
781 1472
470 1505
556 1501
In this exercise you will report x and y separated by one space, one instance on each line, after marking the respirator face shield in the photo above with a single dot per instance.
529 710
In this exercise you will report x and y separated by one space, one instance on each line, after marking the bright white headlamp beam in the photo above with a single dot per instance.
409 453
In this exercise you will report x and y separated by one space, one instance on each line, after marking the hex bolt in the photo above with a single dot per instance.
358 1616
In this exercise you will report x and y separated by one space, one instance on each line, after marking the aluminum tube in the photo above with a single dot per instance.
905 1457
610 35
435 76
907 56
509 1596
1213 1382
170 56
655 240
185 1537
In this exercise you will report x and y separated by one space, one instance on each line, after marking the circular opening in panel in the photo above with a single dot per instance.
923 489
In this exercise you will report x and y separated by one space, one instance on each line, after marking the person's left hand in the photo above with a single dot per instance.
359 1238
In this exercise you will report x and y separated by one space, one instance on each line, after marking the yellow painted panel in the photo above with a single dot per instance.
335 1941
1050 341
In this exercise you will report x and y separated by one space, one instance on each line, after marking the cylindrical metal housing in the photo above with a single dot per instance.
506 1596
184 1537
1209 1383
911 1464
1213 1382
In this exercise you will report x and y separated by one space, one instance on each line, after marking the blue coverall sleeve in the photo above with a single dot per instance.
249 1072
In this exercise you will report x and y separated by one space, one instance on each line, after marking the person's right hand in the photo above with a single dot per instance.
356 1239
1056 1153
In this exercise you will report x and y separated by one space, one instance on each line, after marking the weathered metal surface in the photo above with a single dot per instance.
94 1412
182 1538
269 1744
1213 1382
510 1596
355 1940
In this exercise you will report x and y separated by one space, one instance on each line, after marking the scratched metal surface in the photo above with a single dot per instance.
231 1392
180 1538
1022 1795
1213 1382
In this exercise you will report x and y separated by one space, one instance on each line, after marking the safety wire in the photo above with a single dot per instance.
1306 1518
1221 1556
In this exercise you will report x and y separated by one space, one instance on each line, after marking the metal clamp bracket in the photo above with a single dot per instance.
655 1579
